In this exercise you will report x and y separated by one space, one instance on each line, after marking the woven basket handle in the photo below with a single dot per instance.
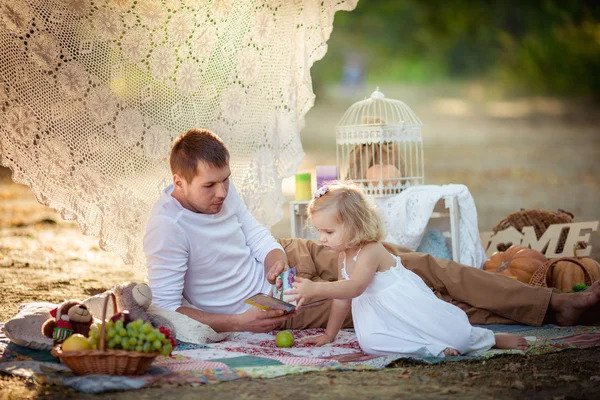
111 295
539 276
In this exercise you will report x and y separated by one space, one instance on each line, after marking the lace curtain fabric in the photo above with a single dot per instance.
92 94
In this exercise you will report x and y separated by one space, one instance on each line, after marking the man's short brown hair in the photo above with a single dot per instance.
194 146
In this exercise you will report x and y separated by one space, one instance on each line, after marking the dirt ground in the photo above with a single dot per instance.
534 153
559 376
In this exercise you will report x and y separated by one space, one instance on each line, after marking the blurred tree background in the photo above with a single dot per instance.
537 47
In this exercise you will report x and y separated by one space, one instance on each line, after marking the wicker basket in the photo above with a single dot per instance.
540 277
540 220
102 361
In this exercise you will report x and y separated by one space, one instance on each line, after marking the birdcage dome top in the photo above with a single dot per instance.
379 110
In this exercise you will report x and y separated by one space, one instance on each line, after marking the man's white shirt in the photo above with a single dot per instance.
214 261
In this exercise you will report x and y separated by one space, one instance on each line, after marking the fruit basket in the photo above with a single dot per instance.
543 275
105 361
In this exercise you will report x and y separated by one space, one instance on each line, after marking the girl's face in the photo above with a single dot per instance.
330 230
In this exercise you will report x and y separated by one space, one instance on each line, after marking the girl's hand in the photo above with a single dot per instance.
318 340
303 289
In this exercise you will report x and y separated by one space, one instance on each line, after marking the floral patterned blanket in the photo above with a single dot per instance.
247 355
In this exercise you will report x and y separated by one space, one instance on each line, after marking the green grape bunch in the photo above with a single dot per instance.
136 335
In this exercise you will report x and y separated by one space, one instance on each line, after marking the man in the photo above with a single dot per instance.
202 244
206 254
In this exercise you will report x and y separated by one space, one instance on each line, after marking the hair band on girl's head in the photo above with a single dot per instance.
321 192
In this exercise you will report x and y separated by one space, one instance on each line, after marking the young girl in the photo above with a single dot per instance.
392 309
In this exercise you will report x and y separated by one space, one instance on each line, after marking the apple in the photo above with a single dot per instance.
284 339
76 342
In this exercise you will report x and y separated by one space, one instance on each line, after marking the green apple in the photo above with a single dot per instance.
284 339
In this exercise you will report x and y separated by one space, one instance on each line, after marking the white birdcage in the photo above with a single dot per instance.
379 144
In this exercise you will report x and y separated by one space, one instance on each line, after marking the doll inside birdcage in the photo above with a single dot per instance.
379 166
379 145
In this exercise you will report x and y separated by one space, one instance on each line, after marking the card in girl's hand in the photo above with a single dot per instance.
282 283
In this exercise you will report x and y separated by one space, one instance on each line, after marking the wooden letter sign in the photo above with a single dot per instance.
578 232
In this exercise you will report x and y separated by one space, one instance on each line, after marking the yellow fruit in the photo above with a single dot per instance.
284 339
76 342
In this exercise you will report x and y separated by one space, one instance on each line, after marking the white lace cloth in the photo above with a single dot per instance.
92 94
407 214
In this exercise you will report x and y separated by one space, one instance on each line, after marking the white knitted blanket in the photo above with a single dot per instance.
407 214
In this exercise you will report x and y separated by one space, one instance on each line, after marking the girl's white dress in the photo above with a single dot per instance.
399 314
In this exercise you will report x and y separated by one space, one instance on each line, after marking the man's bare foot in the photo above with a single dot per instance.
566 308
448 352
510 342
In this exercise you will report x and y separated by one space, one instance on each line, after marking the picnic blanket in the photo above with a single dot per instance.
248 355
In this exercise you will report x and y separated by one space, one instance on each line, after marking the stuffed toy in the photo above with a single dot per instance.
133 299
136 298
69 317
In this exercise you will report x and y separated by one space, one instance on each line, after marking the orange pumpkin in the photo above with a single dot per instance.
566 272
517 261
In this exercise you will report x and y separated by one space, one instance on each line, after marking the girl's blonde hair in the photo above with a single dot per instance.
352 208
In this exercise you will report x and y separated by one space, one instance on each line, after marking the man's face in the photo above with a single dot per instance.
207 191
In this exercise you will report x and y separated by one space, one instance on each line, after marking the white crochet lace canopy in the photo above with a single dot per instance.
93 92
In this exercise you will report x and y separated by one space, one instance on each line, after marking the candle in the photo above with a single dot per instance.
326 173
303 191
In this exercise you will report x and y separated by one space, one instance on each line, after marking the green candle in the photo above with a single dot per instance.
303 191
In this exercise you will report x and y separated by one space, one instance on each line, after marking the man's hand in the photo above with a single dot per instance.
259 321
304 289
318 340
275 270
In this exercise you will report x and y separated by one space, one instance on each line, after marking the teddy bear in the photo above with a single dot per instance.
69 317
135 298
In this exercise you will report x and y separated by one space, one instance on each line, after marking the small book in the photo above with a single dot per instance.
266 302
279 301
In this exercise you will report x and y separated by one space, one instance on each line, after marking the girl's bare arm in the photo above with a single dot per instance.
364 270
337 315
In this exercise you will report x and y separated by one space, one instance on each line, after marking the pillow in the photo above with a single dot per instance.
187 329
96 305
25 328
